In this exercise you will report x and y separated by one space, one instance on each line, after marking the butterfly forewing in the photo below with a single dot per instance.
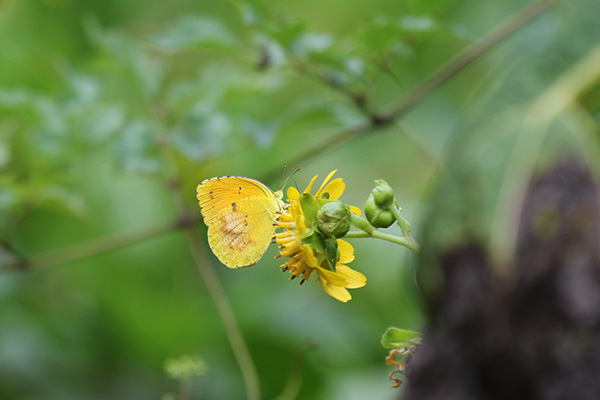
215 194
240 213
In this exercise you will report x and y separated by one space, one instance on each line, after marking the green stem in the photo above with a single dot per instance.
369 231
211 279
404 225
405 241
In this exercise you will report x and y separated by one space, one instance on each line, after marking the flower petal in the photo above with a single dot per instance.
332 277
354 278
324 183
309 187
292 194
309 256
335 188
355 210
339 293
346 251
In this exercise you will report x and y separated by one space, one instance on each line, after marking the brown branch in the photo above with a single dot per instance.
106 243
377 121
427 86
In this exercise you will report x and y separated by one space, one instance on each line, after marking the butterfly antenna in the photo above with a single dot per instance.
289 177
280 175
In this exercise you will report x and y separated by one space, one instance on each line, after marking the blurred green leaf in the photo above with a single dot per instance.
262 133
396 338
193 30
122 52
201 133
185 367
135 148
311 42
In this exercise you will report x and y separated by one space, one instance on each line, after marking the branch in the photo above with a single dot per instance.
106 243
431 83
427 86
210 278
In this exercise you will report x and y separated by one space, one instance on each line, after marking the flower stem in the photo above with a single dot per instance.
369 231
404 225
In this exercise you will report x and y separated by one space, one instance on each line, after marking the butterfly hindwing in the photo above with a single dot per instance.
242 233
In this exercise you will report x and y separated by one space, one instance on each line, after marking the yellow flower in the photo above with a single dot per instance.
304 258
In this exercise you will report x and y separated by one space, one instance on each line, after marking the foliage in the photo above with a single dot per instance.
112 112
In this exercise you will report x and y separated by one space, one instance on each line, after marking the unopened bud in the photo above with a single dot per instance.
383 195
378 205
334 219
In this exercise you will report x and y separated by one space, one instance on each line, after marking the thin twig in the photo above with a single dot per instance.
467 57
211 279
427 86
104 244
435 80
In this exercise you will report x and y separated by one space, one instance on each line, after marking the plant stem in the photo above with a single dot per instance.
103 244
369 231
404 225
226 314
406 241
211 279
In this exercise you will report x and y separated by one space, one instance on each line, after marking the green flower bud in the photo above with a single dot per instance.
334 219
379 203
383 195
377 216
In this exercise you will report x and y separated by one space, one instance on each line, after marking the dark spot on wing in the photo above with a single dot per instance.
234 207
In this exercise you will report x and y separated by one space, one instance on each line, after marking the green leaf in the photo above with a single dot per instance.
135 148
201 134
310 208
193 31
287 33
316 241
332 255
263 133
311 42
396 338
185 367
120 51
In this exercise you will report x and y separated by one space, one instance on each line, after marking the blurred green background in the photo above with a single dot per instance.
93 94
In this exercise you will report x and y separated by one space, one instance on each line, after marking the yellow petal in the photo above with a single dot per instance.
346 251
309 187
309 257
355 210
332 277
336 292
325 182
293 194
335 188
301 225
354 278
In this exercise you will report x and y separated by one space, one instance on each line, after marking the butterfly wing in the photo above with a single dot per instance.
240 214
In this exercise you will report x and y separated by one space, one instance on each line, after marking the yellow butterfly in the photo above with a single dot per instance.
241 215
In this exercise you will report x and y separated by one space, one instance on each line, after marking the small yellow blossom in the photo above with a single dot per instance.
304 259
